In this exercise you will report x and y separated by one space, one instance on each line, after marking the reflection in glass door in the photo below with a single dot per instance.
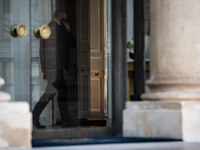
20 60
20 64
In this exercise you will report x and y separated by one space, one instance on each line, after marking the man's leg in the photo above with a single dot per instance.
62 104
39 107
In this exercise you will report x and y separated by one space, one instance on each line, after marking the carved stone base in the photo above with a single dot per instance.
162 119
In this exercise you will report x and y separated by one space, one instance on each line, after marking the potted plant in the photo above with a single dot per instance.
130 47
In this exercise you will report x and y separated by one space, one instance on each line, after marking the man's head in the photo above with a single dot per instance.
58 14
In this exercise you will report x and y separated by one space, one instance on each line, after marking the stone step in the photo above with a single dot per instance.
61 133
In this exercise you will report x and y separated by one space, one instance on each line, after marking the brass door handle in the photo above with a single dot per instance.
100 74
18 30
43 31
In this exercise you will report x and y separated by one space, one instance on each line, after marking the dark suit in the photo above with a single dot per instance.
54 59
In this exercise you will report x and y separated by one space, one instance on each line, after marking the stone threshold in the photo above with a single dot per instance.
77 132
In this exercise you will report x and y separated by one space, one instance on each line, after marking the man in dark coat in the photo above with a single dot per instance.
54 59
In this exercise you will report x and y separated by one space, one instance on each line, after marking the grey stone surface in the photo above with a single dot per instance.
126 146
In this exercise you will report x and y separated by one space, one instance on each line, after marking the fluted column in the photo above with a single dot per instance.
175 50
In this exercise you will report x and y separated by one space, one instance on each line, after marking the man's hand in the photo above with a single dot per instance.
67 26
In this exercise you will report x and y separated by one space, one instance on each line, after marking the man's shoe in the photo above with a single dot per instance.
37 124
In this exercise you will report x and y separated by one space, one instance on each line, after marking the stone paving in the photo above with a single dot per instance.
126 146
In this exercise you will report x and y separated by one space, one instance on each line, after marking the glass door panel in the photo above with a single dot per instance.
20 63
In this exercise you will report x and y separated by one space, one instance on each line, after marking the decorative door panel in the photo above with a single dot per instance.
15 52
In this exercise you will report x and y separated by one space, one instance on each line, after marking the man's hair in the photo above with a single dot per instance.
57 14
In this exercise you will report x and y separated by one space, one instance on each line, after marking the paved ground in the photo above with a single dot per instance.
127 146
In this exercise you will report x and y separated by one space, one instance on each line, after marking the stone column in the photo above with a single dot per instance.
172 108
175 50
15 122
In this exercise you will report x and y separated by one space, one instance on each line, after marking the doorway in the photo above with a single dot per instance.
95 35
98 51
